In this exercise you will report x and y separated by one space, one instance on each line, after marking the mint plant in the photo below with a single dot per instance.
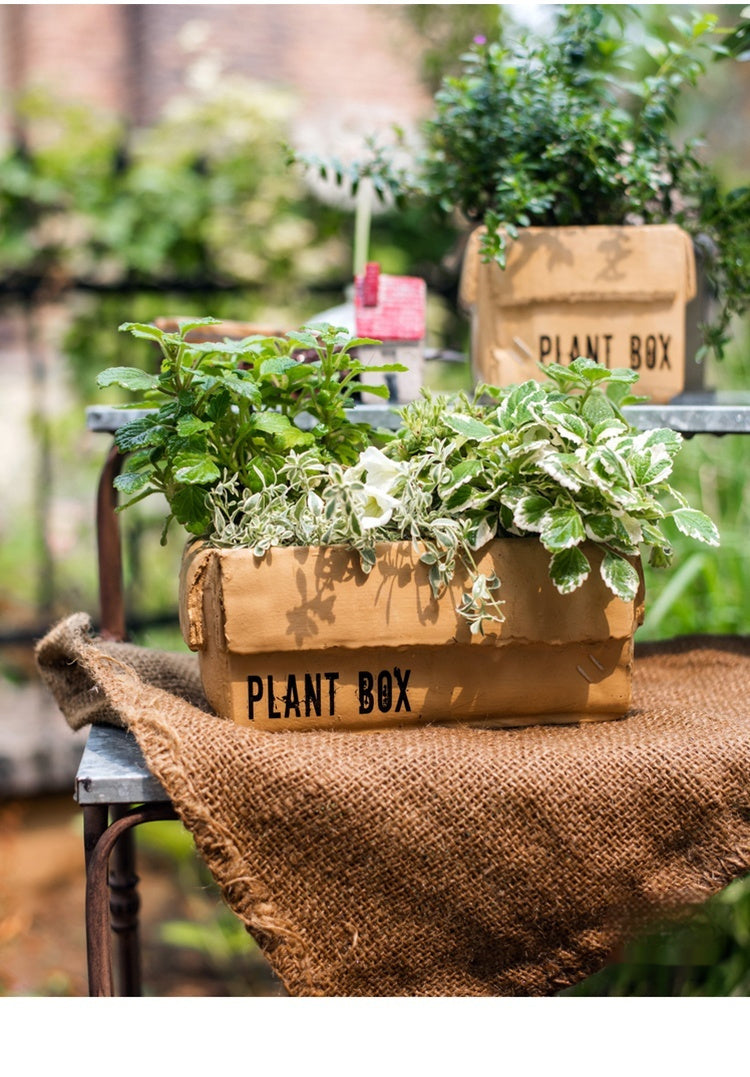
556 460
229 408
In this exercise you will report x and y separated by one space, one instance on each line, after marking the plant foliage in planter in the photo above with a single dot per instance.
575 125
226 409
556 461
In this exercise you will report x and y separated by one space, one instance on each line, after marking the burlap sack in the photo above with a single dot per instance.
441 861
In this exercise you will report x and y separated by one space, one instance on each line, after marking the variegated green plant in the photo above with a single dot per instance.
553 460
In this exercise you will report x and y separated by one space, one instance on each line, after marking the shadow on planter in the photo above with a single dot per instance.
304 639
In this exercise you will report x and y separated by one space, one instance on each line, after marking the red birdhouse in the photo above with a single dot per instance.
392 310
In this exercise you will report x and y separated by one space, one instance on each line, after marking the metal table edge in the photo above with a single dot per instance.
112 770
695 413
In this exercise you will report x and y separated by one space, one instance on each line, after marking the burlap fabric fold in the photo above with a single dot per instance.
442 861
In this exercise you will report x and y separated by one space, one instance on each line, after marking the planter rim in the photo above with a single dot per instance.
583 264
316 598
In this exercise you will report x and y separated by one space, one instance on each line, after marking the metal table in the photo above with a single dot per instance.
113 785
696 413
117 792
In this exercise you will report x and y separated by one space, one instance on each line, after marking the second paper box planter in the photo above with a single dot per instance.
616 294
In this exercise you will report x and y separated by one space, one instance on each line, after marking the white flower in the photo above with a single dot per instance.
381 472
375 508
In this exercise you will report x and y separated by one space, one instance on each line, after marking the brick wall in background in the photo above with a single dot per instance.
78 52
348 63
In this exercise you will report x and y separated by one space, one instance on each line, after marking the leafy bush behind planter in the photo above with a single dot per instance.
562 127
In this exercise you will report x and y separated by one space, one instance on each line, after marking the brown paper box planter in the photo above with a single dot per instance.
304 639
617 294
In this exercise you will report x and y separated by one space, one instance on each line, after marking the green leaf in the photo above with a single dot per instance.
608 429
597 409
563 467
215 347
650 467
218 403
189 508
303 339
140 434
618 391
622 376
458 499
697 525
481 532
564 377
461 474
281 429
277 364
590 369
144 458
561 528
470 428
188 425
653 534
363 342
127 377
365 369
377 390
568 569
530 511
196 323
620 576
130 482
195 470
662 437
511 495
573 427
271 422
606 462
243 386
177 448
367 558
520 400
143 331
601 527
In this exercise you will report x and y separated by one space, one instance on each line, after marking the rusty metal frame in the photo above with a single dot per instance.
112 900
109 549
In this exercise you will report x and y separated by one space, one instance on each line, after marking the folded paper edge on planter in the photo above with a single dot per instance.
318 597
616 263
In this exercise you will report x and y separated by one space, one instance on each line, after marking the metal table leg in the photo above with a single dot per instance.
124 906
100 839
